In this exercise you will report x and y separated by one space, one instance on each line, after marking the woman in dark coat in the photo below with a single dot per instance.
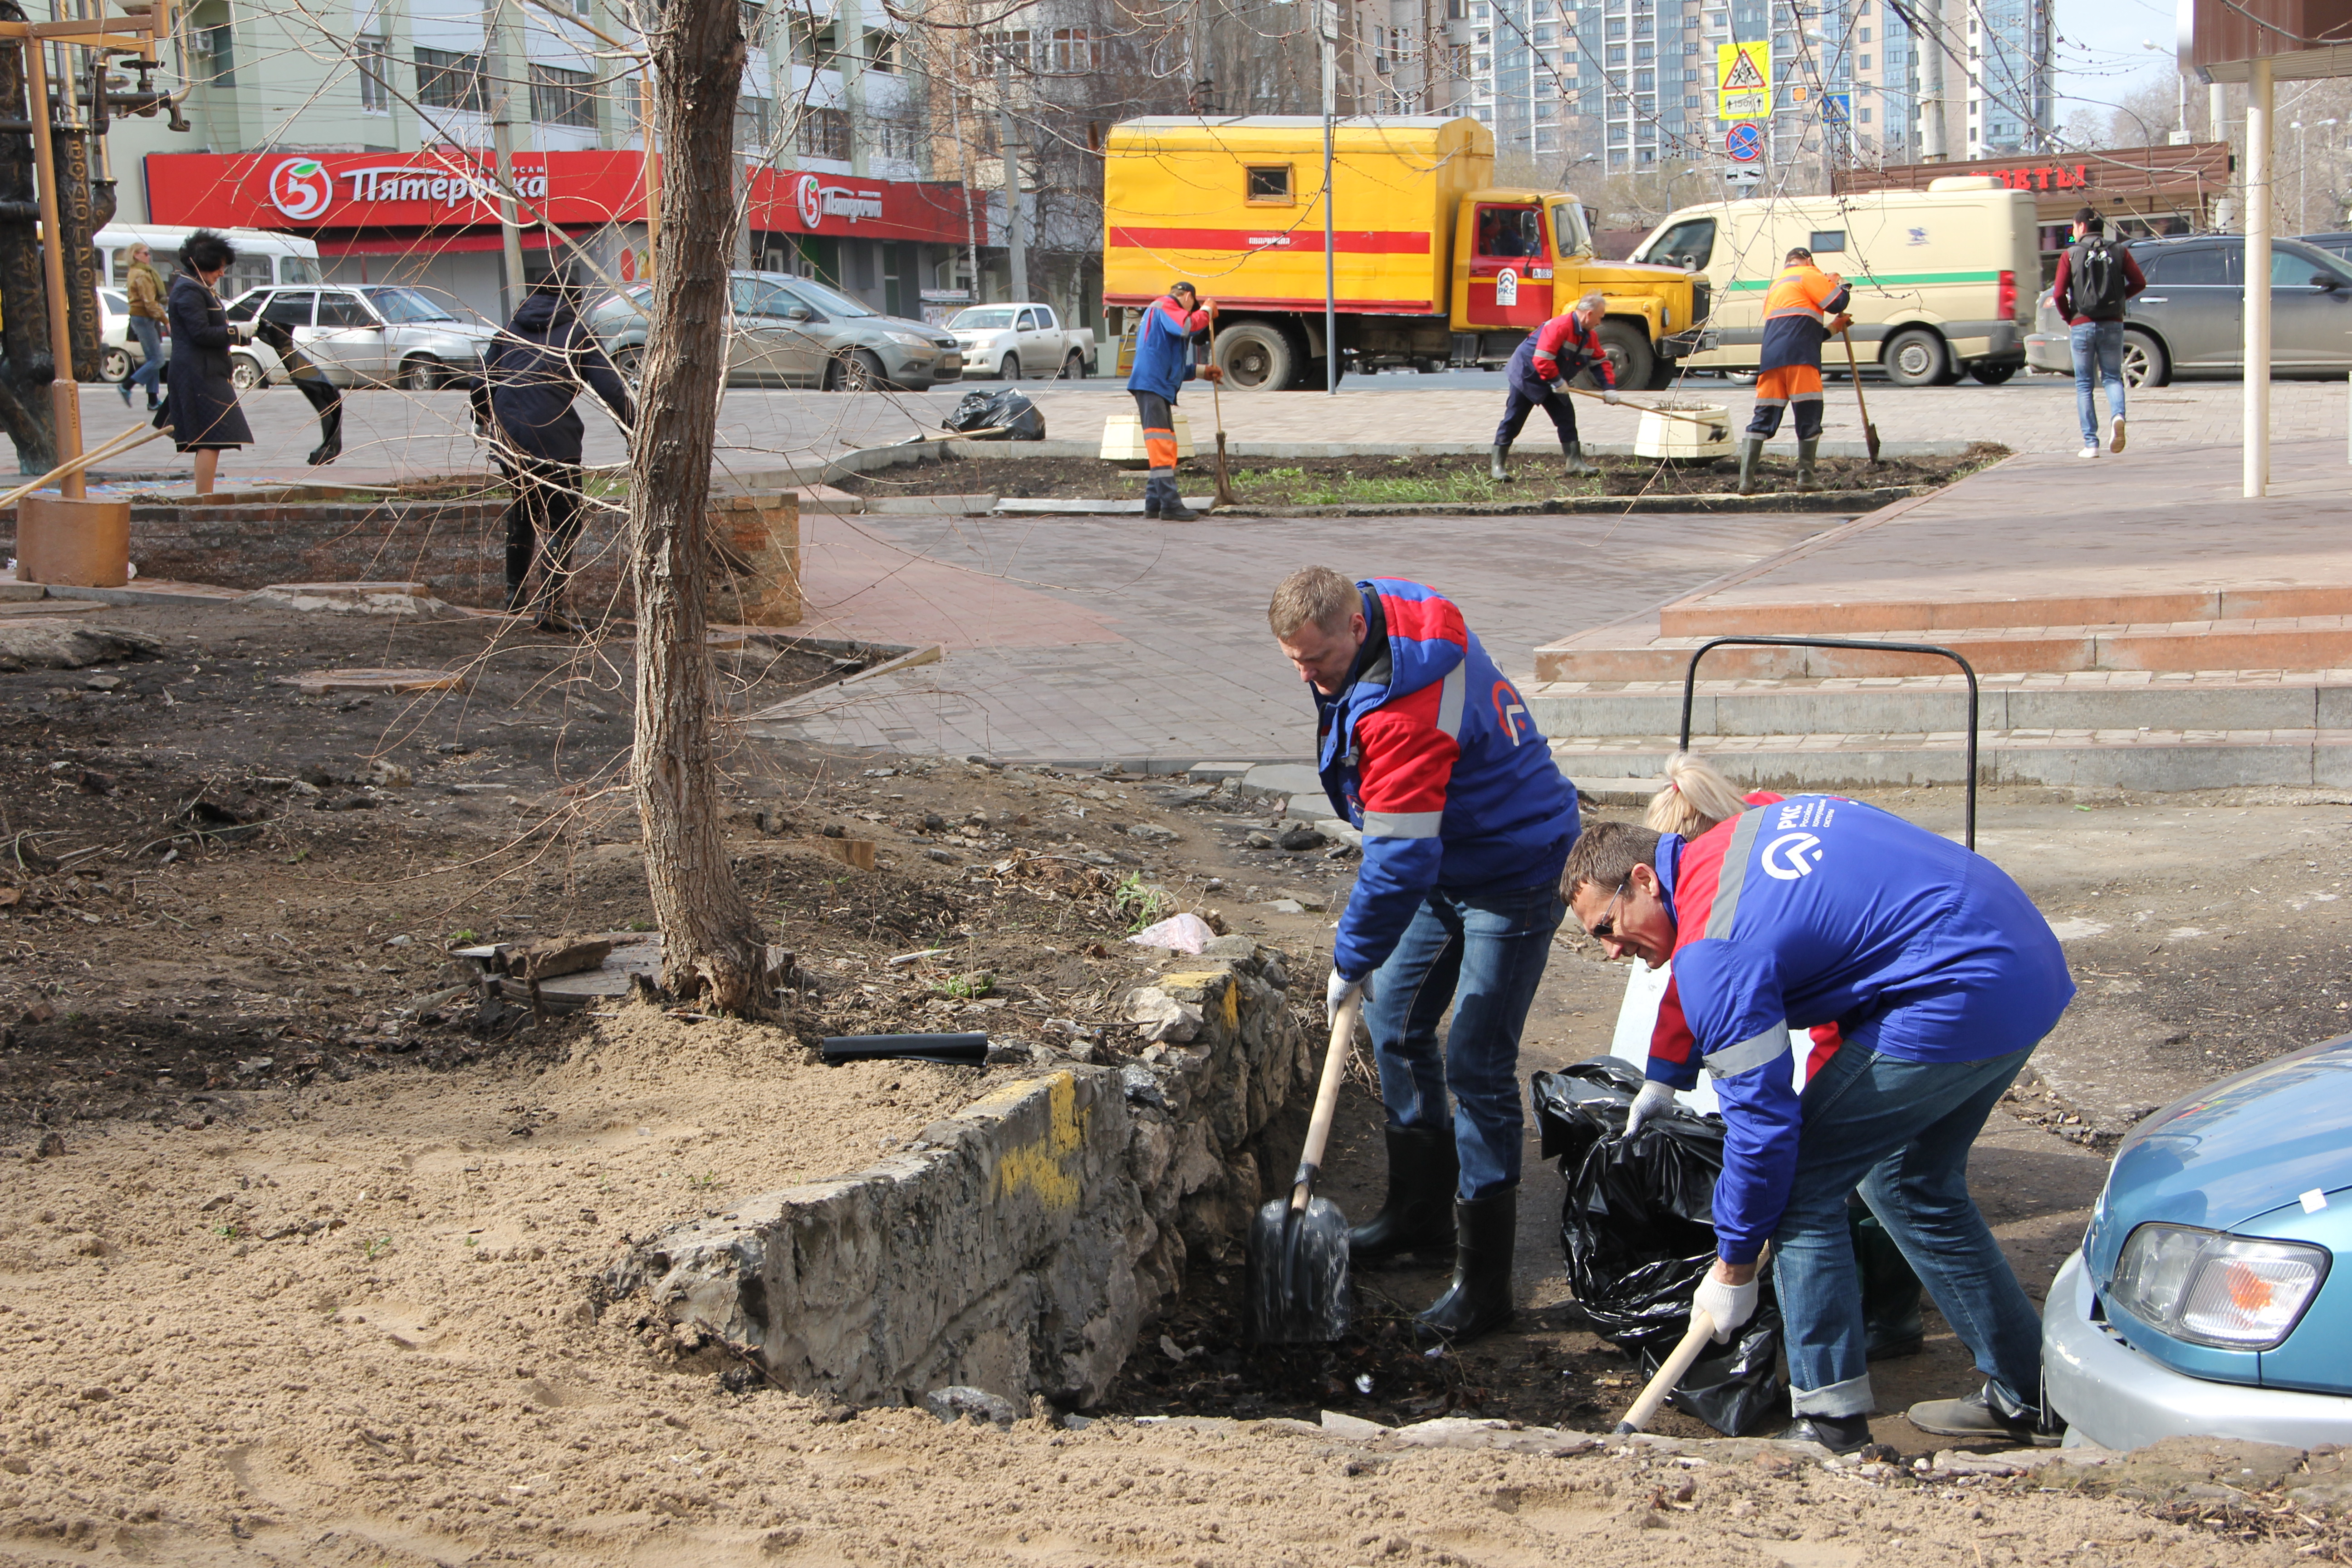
199 400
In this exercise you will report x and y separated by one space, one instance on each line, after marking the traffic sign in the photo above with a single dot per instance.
1743 78
1837 108
1744 142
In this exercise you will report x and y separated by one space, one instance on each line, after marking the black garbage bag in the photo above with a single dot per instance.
1639 1231
1006 416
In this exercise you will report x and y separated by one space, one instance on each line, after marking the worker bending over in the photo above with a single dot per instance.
1941 977
1797 315
1163 363
1537 378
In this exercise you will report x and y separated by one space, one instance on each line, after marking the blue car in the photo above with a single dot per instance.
2205 1299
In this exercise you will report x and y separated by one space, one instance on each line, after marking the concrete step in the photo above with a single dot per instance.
1713 616
2153 759
2082 700
2300 642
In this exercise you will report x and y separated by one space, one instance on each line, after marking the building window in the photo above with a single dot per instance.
217 56
1073 50
373 55
754 121
1645 52
1863 64
755 24
446 81
825 134
561 97
1616 27
1865 35
882 52
1645 81
1268 184
1616 54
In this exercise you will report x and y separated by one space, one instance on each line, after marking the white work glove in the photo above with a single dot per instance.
1653 1098
1336 992
241 332
1561 386
1609 394
1726 1305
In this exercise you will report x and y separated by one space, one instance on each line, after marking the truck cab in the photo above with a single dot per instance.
1521 258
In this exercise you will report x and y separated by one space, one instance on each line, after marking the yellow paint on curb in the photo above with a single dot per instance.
1037 1166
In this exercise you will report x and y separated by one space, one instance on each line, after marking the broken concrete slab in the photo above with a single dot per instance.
40 643
321 682
368 599
929 506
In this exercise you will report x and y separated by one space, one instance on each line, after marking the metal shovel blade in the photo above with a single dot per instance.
1298 1288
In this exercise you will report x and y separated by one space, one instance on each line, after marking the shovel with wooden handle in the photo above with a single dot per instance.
1298 1288
1669 1376
1869 431
1225 496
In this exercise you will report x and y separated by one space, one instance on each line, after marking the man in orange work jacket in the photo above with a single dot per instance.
1797 319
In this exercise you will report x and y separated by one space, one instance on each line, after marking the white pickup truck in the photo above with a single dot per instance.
1015 341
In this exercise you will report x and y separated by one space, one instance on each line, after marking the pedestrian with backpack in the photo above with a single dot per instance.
2096 277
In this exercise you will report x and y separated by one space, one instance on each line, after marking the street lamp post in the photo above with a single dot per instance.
2180 96
2302 179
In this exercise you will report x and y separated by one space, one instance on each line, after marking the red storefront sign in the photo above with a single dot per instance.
2046 177
444 188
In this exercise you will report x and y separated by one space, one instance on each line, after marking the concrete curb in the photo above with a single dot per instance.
1020 1245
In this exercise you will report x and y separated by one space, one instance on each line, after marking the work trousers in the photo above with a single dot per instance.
546 511
1158 417
1794 387
2098 356
1523 399
1483 956
1901 1131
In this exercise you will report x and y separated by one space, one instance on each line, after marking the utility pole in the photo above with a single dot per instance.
1016 251
500 59
850 20
1931 84
1326 12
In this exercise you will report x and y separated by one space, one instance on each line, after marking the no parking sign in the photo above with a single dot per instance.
1744 142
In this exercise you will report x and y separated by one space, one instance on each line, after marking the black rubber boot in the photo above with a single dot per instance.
1751 451
1480 1298
1152 496
1171 504
517 573
1806 452
1890 1291
1577 466
1419 1214
1499 465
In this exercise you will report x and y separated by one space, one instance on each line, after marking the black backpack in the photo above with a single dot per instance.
2096 279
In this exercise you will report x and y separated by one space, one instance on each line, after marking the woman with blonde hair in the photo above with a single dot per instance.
1696 798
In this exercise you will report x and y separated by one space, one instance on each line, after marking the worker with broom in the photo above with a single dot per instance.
1425 748
1797 321
1163 364
1941 976
1538 377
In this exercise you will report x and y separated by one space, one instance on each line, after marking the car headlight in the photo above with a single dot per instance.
912 340
2210 1289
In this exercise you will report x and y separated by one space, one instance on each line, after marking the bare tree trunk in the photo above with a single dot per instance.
711 939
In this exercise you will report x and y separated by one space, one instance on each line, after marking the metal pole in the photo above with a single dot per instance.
1327 21
1015 250
650 162
2257 464
65 396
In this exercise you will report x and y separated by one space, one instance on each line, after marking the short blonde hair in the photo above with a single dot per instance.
1695 798
1314 594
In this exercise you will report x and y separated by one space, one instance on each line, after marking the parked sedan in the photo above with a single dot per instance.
2191 320
377 334
794 332
2205 1299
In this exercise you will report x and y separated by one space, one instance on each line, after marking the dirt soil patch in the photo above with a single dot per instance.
1372 480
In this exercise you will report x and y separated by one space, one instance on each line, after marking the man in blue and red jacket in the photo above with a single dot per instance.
1538 377
1941 977
1163 364
1429 751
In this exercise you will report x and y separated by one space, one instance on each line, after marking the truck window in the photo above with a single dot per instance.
1269 183
1569 233
1690 243
1510 231
2181 268
1826 241
1028 321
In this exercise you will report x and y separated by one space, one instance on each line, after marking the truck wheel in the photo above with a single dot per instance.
1257 356
2145 362
1074 367
1628 348
1913 358
1992 374
1010 369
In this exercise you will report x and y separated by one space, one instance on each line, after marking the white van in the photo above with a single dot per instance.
262 258
1944 279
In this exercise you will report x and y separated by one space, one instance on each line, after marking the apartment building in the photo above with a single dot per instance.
371 125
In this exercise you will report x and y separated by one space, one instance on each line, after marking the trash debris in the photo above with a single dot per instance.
1185 934
855 853
321 682
957 1400
948 1050
1638 1233
1006 416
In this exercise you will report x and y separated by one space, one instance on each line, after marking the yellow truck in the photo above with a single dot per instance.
1433 265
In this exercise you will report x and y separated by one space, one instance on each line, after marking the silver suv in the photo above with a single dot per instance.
373 334
796 333
2191 320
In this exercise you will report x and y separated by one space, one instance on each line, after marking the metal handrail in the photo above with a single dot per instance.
1690 688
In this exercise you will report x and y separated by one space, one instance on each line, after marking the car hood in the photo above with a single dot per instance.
2231 1152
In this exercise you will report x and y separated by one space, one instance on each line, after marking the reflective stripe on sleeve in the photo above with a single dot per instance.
1734 873
1401 824
1451 696
1750 1053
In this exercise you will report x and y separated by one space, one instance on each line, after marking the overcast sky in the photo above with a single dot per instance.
2098 51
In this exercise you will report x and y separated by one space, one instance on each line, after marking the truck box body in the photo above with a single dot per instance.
1182 196
1943 278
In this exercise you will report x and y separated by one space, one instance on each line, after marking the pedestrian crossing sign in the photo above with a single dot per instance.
1743 78
1837 108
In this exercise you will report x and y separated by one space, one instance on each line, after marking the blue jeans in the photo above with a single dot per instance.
2098 356
1902 1131
1483 956
150 373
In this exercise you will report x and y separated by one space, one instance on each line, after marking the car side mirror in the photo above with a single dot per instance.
799 313
2327 282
